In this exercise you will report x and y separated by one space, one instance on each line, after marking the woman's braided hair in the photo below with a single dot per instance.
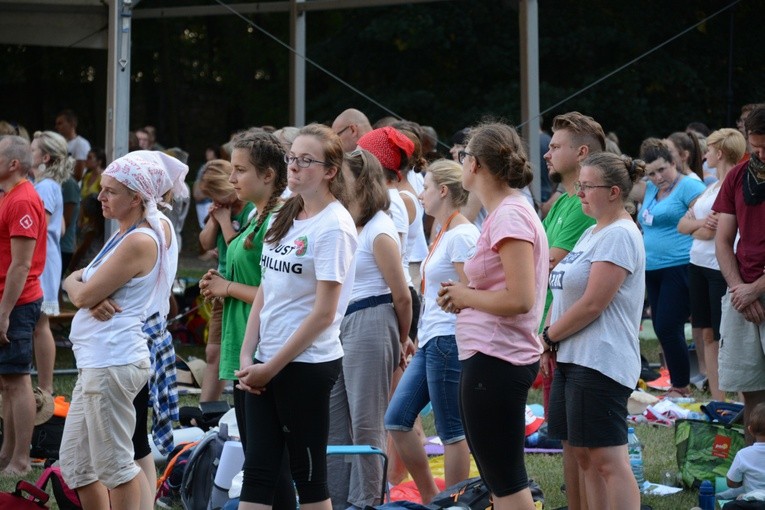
266 152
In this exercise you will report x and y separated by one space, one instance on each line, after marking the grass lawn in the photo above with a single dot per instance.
547 470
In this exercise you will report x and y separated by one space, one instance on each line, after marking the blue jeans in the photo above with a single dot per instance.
669 298
433 375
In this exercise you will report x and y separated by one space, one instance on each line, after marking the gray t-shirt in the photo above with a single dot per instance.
609 344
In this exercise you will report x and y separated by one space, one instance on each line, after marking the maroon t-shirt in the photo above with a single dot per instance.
750 251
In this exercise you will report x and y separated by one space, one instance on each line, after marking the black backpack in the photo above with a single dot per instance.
46 438
199 471
473 494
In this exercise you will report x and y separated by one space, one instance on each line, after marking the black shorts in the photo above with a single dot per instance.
587 408
415 314
707 288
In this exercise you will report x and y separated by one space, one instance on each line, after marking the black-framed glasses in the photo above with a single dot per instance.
302 161
343 130
578 186
461 155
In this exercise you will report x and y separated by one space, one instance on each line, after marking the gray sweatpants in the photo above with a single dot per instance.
358 402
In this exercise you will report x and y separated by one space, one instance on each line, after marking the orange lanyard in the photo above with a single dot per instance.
433 248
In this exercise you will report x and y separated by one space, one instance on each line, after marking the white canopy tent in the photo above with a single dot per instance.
107 24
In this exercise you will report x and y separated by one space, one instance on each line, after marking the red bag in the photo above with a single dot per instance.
66 498
34 500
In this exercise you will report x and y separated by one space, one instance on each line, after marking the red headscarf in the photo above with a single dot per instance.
385 144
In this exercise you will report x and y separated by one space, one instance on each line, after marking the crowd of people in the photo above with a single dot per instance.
361 276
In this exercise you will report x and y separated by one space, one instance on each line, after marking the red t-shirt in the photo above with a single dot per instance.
22 215
750 252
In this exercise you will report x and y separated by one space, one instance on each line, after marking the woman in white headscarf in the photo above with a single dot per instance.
111 351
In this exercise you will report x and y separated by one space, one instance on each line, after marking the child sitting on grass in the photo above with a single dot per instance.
748 468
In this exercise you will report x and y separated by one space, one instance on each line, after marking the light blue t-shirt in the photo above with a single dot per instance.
50 193
664 245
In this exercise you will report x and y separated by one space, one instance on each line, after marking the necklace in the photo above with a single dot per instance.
433 248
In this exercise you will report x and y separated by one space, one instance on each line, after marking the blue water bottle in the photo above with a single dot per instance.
706 495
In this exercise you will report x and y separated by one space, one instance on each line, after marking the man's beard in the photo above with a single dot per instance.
555 177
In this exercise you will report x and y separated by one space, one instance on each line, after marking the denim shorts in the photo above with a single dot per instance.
432 375
16 358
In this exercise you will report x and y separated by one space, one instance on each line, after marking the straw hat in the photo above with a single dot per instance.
43 406
639 402
190 372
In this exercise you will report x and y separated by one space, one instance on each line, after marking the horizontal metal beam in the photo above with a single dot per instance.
40 24
265 7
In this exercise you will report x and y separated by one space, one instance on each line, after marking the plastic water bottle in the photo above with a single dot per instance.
635 450
706 495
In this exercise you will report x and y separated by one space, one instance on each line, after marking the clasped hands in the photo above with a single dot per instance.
451 296
213 285
254 377
746 300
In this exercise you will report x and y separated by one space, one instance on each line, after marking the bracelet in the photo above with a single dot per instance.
227 286
546 337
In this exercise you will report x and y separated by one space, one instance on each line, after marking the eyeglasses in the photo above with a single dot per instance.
343 130
302 161
461 155
578 186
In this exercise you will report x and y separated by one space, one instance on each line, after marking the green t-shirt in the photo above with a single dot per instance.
564 225
238 221
243 266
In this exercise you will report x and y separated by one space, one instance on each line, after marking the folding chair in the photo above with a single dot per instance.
364 450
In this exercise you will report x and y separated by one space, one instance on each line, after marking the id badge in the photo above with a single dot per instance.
647 217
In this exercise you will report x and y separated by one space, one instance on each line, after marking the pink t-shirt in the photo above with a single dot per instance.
513 339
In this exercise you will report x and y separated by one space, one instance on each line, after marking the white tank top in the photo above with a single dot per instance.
400 217
416 245
119 341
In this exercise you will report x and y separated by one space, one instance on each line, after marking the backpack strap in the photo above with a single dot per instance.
171 464
39 496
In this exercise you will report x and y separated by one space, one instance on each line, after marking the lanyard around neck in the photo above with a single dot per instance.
433 248
114 241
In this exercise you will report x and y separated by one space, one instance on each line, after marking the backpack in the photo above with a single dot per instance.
169 484
473 494
470 493
35 499
66 498
199 474
46 438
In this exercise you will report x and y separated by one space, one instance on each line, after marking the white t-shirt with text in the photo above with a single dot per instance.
318 248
